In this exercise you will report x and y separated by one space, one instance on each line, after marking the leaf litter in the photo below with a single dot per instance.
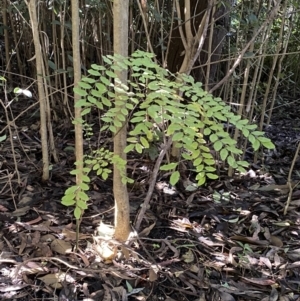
228 240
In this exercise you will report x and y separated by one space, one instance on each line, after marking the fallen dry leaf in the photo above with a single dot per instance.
61 247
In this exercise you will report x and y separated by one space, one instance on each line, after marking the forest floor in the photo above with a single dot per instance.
228 240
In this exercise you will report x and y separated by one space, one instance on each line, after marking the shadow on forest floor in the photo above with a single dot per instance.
226 241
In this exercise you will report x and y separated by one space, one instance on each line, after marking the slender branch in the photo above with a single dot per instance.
152 184
289 180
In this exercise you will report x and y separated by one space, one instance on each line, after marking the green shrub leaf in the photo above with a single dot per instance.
174 178
169 166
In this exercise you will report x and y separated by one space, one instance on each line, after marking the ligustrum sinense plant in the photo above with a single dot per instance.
154 108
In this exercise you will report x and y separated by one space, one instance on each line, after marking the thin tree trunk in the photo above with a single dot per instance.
41 92
122 225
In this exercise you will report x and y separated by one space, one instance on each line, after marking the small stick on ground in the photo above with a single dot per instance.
289 180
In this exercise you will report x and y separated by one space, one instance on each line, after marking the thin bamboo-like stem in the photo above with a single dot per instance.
285 42
42 96
164 62
6 40
269 19
270 79
149 44
209 51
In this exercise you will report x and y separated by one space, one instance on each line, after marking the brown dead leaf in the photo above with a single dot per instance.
276 241
25 200
32 267
47 238
71 235
152 275
43 250
145 232
259 281
20 211
266 262
54 280
11 288
250 240
3 209
61 247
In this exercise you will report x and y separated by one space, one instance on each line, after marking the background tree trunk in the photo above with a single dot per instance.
41 89
195 15
122 223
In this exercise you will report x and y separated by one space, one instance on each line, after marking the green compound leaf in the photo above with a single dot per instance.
68 200
80 92
128 148
245 132
92 100
201 181
251 127
218 145
242 163
241 169
84 85
257 133
197 161
94 72
84 186
144 142
113 129
187 156
104 175
207 155
210 169
139 148
173 128
74 172
86 179
209 161
101 88
212 176
110 73
169 166
77 212
106 102
231 161
88 80
83 196
68 203
85 111
256 145
99 171
268 144
213 138
207 131
174 177
200 168
177 136
251 138
71 190
105 81
195 154
137 119
81 204
220 116
223 154
117 123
